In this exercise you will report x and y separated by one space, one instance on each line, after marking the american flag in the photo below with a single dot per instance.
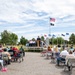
52 19
49 34
62 34
67 33
45 35
53 35
51 24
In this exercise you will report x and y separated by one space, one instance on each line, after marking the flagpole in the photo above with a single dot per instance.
61 43
49 32
52 20
57 39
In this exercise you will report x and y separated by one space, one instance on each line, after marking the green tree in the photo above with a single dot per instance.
7 37
54 41
42 38
58 40
33 39
72 39
13 38
23 41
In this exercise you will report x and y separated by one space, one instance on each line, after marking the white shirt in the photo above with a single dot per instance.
70 56
64 53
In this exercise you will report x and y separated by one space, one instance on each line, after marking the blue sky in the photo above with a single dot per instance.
30 18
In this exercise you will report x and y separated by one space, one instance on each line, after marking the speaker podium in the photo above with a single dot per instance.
38 43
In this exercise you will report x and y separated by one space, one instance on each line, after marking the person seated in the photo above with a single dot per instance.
49 48
16 50
8 54
12 52
70 56
59 47
1 49
62 56
49 52
71 48
56 52
74 52
56 49
7 48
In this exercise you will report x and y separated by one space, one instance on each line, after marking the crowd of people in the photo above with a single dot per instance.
9 54
60 55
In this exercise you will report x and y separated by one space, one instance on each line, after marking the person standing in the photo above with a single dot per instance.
22 50
38 41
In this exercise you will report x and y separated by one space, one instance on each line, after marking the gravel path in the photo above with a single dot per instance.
34 64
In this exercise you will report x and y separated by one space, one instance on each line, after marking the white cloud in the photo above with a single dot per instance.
31 30
22 11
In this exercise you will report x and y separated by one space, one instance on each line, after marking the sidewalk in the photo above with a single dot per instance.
34 64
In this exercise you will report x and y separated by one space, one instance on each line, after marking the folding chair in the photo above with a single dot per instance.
43 53
20 57
70 64
1 64
54 57
5 59
48 54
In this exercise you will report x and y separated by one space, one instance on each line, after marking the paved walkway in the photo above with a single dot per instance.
34 64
